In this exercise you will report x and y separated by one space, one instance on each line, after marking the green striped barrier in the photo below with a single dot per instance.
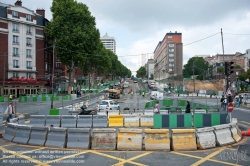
210 119
20 99
153 103
44 98
182 103
147 105
25 98
1 98
54 112
173 121
34 99
167 103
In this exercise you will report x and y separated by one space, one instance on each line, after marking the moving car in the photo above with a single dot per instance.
108 105
135 81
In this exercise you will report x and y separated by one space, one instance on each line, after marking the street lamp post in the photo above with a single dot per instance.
52 79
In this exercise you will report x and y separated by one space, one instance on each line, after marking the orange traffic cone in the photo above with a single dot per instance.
245 133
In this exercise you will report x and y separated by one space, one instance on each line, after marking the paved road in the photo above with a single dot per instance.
16 154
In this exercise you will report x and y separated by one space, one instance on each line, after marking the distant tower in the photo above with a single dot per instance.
143 59
109 43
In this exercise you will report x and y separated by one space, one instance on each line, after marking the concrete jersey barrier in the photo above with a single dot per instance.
22 134
100 121
146 121
131 121
38 135
56 137
116 120
84 121
183 139
104 139
53 120
205 138
68 121
223 135
157 139
37 120
129 139
236 132
78 138
10 132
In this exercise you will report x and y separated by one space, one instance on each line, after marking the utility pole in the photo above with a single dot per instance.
193 77
52 79
4 72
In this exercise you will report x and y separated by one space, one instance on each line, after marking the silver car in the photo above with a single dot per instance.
108 105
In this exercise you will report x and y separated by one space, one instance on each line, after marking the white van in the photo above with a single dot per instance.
154 94
126 84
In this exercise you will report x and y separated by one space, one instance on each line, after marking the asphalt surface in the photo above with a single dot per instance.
17 154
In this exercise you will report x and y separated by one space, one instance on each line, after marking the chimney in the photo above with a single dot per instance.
41 12
18 3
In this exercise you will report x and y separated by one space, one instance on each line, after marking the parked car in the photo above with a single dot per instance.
135 81
108 105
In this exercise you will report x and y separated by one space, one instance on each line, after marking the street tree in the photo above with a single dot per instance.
75 35
141 72
195 66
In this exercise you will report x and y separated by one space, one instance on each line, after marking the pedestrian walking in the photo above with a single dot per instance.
157 108
239 101
188 107
10 110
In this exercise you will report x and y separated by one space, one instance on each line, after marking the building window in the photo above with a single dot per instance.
171 60
171 55
15 27
15 64
15 52
171 50
58 65
46 66
29 41
171 65
28 53
28 75
29 30
14 14
28 65
15 74
28 17
15 39
169 36
171 45
169 41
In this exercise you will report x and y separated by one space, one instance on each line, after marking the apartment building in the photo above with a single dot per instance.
150 68
25 55
109 42
168 56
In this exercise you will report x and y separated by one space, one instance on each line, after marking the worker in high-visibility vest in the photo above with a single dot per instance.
143 93
10 97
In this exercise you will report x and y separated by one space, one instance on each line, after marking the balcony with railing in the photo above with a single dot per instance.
15 55
28 56
29 44
15 30
29 67
15 43
28 32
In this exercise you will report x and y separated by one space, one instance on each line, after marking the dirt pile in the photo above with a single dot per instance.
217 85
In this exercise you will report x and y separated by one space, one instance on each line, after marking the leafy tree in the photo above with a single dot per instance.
220 70
141 72
237 66
245 75
197 66
75 34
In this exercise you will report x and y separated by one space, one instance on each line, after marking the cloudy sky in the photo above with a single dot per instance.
138 25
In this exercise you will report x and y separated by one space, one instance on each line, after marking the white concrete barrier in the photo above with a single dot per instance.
205 138
236 132
131 121
223 135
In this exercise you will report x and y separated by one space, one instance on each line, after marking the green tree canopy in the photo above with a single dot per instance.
141 72
75 33
197 66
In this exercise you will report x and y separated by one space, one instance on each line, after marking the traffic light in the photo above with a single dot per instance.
228 68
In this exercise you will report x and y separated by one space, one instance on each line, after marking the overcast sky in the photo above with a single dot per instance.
138 25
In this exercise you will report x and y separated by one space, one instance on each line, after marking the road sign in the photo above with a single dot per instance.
229 92
230 107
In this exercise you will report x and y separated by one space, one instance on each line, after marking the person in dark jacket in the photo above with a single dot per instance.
188 107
